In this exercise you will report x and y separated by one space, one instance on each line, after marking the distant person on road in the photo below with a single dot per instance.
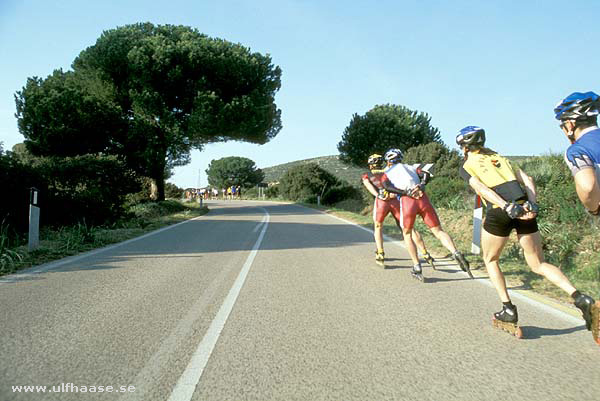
239 192
385 203
409 182
224 191
229 193
578 115
510 207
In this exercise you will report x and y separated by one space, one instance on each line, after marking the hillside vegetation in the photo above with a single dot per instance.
331 164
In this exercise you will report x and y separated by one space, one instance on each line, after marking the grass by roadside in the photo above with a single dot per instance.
583 268
67 241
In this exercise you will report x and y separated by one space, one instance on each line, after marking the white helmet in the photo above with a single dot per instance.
393 156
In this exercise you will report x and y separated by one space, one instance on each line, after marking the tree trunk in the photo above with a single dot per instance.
153 190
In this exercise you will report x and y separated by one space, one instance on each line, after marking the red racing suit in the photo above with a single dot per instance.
382 208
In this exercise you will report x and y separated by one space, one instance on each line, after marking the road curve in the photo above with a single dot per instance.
273 301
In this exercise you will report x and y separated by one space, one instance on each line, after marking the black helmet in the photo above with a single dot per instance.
393 156
472 137
375 161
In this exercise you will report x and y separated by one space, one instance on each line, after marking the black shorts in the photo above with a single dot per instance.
498 223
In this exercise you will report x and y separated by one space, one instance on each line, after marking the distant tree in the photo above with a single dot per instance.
233 170
383 127
305 181
164 90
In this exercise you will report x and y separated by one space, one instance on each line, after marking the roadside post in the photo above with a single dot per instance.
477 222
34 220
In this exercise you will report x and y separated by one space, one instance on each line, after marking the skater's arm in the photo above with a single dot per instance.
529 185
588 190
370 187
486 193
391 188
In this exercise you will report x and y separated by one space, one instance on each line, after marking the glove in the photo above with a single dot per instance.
514 210
383 194
596 212
416 192
531 207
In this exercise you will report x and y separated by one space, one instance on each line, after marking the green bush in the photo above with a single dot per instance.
250 193
272 191
446 162
305 182
149 210
173 191
16 179
339 193
91 188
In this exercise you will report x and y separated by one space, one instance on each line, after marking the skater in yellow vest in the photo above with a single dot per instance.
508 206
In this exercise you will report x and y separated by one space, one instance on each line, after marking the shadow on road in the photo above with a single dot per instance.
534 332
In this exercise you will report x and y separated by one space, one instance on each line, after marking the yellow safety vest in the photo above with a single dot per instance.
496 173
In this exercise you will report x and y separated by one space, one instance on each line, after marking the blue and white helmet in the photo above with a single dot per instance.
471 137
393 156
578 106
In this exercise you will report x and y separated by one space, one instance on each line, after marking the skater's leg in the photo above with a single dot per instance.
419 242
492 246
410 244
532 248
444 238
378 234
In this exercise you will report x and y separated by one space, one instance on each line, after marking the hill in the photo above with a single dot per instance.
332 164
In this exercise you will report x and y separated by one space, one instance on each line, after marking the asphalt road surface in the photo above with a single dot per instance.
267 301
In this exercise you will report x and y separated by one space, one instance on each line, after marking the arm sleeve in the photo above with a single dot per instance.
424 176
577 158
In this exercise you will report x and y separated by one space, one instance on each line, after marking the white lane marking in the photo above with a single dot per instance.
53 265
534 302
259 224
187 383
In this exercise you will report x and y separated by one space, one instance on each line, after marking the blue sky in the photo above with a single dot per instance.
499 65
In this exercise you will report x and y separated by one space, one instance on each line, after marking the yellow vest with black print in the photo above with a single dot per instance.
496 173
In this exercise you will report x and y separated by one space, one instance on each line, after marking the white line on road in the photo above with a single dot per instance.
259 224
187 383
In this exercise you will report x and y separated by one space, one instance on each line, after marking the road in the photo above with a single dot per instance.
268 301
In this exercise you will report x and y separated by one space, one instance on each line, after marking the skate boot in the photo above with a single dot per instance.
506 320
590 311
417 272
429 259
380 258
463 263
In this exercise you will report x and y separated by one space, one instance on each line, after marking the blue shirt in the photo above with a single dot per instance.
585 153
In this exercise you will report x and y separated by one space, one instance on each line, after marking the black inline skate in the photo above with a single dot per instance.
463 263
506 319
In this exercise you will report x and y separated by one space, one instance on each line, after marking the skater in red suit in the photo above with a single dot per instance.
386 203
409 183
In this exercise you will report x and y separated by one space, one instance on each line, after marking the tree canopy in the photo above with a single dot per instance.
384 127
151 94
233 170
